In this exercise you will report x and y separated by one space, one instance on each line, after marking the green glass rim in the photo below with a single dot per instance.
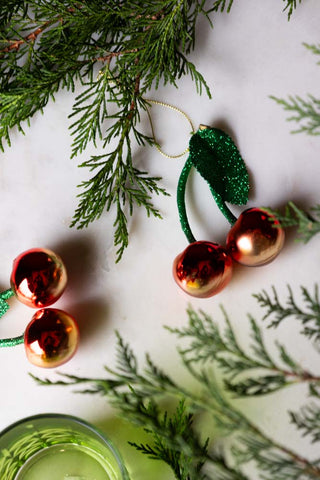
76 420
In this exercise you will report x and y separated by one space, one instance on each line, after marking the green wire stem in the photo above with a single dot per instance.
12 342
8 342
4 296
184 222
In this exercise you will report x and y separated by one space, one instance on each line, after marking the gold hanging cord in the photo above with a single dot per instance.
175 109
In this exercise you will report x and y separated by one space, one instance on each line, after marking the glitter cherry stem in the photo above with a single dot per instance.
184 222
4 296
12 342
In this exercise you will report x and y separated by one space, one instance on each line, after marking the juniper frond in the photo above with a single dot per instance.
140 392
308 314
110 55
290 6
308 224
303 111
308 421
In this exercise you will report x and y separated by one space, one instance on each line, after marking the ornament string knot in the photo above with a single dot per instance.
38 279
256 237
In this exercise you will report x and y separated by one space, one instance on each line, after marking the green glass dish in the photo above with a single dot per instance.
58 447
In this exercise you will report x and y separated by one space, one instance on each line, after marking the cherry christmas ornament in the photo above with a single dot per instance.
204 268
38 277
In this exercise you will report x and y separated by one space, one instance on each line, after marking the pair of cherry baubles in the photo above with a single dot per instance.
38 279
203 269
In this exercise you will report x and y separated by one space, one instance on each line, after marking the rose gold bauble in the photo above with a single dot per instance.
256 238
203 269
51 338
38 277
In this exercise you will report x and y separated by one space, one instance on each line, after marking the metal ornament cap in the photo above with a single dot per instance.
203 269
38 277
51 338
256 238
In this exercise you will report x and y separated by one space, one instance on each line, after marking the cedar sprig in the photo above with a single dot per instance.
109 55
290 6
242 370
308 313
141 391
179 447
305 112
307 223
308 421
139 395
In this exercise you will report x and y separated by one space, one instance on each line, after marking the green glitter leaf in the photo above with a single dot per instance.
217 159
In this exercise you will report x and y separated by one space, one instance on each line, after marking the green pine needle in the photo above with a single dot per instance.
290 6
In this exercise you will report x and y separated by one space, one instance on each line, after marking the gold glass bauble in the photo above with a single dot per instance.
38 277
256 238
203 269
51 338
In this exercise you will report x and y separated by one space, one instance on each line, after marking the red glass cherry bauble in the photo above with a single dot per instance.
38 277
51 338
203 269
256 238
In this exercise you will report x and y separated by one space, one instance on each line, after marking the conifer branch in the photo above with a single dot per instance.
308 315
308 224
49 46
138 392
303 111
31 37
308 421
136 46
290 6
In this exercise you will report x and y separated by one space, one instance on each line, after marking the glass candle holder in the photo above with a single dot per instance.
58 447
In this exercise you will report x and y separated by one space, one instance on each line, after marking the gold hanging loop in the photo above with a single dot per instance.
175 109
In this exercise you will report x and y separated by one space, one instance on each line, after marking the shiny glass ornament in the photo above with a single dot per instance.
203 269
256 238
51 338
38 277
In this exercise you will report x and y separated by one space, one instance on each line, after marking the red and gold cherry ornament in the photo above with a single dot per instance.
203 269
38 277
51 338
256 238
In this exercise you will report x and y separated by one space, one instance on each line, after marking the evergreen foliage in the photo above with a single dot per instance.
307 224
175 436
110 54
290 6
303 111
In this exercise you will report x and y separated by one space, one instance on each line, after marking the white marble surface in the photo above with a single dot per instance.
251 53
